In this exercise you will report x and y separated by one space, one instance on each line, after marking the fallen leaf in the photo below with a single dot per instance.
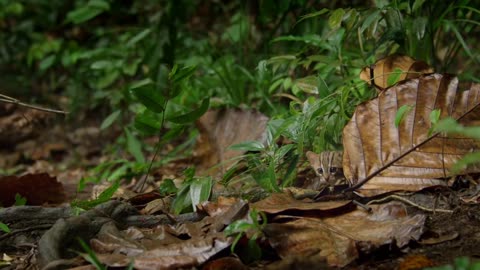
38 189
339 238
404 157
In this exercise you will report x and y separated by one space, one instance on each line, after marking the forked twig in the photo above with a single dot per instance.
7 99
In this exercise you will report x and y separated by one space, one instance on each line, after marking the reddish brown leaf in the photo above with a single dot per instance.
38 189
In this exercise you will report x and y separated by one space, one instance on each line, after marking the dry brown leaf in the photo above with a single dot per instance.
38 189
279 203
383 68
339 238
372 141
220 129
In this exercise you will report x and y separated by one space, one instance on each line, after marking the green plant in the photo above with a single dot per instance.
462 263
91 257
4 227
193 191
253 227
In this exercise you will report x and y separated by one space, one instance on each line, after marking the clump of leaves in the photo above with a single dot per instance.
253 228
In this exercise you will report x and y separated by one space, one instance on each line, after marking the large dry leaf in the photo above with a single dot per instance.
339 238
372 141
38 189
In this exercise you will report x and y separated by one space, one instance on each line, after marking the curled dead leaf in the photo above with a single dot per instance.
394 68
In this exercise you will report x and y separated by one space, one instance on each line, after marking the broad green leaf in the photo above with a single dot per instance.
193 115
110 119
200 190
182 201
394 77
134 146
148 122
167 187
252 146
335 19
4 227
148 96
401 113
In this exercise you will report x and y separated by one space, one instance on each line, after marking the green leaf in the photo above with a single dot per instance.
335 19
435 116
253 146
101 64
238 226
87 12
308 84
178 75
110 119
394 77
417 4
313 14
200 190
47 62
110 77
401 113
167 187
193 115
91 257
148 96
148 122
4 227
103 197
20 200
134 146
138 37
182 201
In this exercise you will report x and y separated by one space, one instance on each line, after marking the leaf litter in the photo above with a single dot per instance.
312 231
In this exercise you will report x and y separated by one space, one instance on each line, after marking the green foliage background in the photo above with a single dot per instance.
295 60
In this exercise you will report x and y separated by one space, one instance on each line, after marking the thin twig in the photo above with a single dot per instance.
396 197
7 99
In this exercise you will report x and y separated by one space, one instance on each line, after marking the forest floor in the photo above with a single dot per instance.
68 153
